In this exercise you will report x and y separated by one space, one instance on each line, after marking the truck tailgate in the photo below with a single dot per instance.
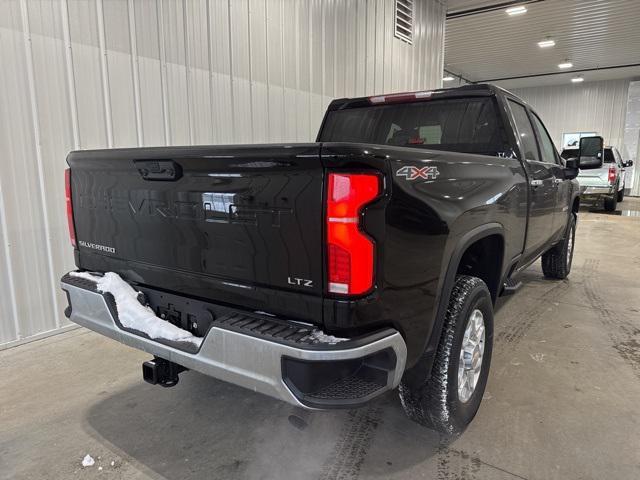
598 177
232 224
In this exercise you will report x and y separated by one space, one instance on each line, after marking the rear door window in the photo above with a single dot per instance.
549 154
525 132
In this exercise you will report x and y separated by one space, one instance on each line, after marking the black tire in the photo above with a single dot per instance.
556 262
610 203
431 397
621 194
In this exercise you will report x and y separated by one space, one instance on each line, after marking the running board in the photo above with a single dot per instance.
510 287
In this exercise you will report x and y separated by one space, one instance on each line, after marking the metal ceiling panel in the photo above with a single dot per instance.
589 33
566 109
454 6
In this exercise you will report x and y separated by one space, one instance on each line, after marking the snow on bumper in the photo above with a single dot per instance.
300 375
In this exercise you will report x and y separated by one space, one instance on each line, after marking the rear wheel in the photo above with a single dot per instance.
556 262
610 203
447 397
621 194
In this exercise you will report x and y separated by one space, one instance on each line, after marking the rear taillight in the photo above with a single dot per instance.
350 253
67 188
612 174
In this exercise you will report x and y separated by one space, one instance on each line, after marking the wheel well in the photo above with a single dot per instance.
576 205
483 259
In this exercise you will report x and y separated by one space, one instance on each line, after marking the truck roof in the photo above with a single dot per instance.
476 89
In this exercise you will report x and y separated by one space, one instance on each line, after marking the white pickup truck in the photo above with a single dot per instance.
606 182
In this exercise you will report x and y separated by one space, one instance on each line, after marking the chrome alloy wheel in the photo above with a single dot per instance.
570 247
471 353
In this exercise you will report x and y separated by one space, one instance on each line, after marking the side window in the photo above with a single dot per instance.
525 131
546 144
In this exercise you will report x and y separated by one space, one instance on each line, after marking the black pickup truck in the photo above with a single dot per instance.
327 273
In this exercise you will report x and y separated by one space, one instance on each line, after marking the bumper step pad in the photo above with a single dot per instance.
262 326
351 388
268 328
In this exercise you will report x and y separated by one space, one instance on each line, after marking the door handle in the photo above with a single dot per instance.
158 170
557 181
536 183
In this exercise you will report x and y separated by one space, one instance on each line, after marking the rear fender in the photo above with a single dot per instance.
448 280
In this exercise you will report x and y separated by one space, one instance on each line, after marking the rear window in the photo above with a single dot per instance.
469 125
608 156
573 153
570 153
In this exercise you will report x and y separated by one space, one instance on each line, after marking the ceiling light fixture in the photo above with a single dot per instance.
577 79
565 64
519 10
547 43
448 78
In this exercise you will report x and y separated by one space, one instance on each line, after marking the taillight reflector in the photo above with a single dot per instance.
350 253
612 174
67 188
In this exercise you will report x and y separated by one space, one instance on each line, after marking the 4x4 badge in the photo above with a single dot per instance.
413 173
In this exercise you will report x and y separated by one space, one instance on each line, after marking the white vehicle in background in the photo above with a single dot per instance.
605 182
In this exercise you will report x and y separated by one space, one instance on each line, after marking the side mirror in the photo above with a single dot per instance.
571 166
628 163
591 153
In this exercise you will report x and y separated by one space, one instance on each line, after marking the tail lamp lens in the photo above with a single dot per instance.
612 174
67 188
350 252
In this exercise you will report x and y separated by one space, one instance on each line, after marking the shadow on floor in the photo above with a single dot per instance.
204 428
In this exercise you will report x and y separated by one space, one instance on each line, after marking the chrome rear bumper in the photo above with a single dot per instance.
371 365
588 191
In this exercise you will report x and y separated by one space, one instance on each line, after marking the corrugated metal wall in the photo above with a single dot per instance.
632 133
111 73
587 107
590 106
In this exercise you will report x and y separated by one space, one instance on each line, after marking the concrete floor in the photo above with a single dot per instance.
563 399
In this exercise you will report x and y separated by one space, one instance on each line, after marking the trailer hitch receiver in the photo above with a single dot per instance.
161 372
